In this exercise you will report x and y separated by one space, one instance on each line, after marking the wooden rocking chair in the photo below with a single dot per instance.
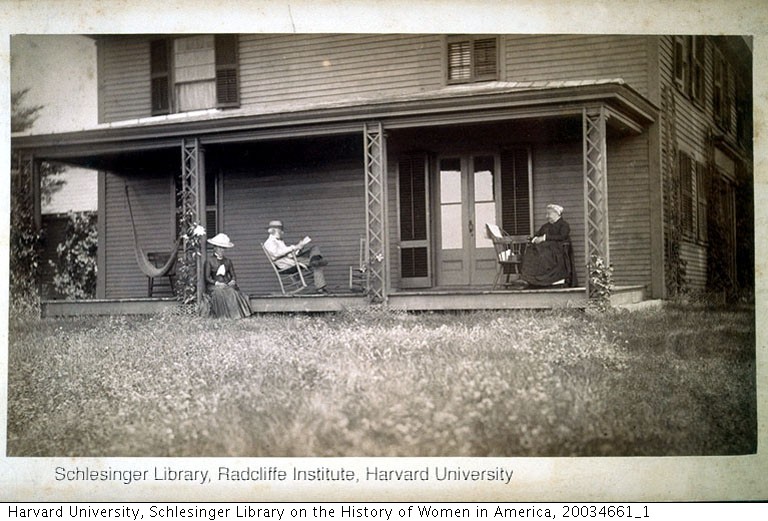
293 279
509 253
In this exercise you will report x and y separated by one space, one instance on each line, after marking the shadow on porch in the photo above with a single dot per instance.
422 300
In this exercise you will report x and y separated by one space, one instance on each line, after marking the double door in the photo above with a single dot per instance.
467 189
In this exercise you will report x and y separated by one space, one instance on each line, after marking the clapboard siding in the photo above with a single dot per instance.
289 69
577 57
284 71
151 199
692 124
558 178
696 265
325 202
124 86
629 210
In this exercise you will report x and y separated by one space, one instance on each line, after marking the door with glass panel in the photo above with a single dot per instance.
467 188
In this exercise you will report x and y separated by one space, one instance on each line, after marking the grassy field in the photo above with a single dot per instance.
676 381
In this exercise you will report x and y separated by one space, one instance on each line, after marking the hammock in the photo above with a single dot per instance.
145 265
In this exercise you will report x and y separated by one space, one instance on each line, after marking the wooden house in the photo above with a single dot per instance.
412 143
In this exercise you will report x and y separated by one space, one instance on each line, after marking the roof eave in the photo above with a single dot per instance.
349 119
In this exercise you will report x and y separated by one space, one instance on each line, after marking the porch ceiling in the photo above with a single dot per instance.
626 110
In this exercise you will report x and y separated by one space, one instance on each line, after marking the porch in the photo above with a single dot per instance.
422 300
416 189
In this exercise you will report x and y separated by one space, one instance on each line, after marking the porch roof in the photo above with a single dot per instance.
455 104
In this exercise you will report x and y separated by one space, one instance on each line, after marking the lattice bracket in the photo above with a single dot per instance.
376 254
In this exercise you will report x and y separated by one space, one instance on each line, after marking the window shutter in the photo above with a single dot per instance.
702 188
472 59
227 74
484 53
160 76
515 192
697 69
459 61
414 240
686 194
680 61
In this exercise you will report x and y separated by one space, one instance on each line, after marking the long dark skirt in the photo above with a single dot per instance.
545 263
229 302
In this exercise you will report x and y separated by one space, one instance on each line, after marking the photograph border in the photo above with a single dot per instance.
536 479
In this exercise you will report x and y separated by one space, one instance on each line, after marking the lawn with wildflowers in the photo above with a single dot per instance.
673 381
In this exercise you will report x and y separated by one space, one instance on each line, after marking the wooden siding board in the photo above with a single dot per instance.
317 68
629 210
692 124
325 202
574 57
279 70
151 210
558 179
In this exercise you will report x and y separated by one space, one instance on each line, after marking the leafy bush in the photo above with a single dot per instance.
600 283
75 266
186 266
25 246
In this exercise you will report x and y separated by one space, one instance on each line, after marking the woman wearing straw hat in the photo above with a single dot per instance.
226 298
547 260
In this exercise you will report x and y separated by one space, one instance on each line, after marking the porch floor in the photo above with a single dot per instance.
409 300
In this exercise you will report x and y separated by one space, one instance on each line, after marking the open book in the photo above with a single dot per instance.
303 242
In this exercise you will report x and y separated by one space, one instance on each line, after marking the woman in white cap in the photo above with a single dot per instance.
226 298
547 260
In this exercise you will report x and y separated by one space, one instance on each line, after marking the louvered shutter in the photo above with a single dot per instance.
686 194
414 219
484 54
459 61
702 190
472 59
227 74
160 76
515 191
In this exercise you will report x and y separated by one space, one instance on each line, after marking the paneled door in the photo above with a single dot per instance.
467 188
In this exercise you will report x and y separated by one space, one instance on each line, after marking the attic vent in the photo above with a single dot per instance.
472 59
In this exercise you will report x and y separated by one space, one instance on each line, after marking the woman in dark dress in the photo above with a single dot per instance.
226 299
546 262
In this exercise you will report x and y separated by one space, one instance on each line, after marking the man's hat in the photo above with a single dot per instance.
275 224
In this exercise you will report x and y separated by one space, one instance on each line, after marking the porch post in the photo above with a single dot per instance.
193 197
595 186
376 234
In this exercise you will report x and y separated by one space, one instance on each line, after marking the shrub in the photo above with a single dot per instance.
25 245
75 266
186 265
600 283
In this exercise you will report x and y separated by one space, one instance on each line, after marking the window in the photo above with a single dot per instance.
682 62
472 59
160 73
698 47
721 82
689 66
194 72
743 113
685 177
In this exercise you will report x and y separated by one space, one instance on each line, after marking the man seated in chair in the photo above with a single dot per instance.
547 260
308 256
